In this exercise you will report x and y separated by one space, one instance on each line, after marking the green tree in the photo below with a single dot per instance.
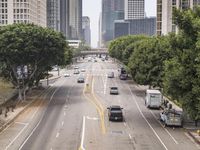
146 63
32 46
181 80
119 49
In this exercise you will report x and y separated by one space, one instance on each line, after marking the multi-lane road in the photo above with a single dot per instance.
73 116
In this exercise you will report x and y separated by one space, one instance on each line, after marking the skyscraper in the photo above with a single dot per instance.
23 11
75 19
134 9
53 14
66 16
86 30
165 23
111 10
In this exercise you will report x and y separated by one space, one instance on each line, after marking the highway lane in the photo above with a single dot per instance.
62 118
60 127
143 123
76 117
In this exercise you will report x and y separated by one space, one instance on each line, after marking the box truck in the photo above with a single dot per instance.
153 99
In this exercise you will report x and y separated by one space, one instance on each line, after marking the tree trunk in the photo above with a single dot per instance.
20 94
24 94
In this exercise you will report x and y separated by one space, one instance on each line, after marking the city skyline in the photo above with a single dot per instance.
92 9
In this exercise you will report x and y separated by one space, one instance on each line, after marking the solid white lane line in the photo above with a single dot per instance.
57 135
92 118
6 128
83 134
62 123
39 120
22 123
125 124
16 137
64 113
147 120
105 85
165 129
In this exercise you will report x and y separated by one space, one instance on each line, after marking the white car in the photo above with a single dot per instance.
114 90
83 70
66 75
76 72
111 75
81 79
76 67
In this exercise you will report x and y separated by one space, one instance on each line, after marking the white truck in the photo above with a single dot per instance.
153 99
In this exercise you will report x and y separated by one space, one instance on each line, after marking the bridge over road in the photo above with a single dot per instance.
95 51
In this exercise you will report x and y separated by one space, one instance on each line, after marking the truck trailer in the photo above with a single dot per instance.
153 98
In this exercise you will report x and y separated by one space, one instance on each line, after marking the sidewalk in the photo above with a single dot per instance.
9 112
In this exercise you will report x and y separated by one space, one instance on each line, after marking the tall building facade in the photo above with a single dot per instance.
86 30
23 11
145 26
65 16
111 10
75 19
165 23
134 9
159 18
53 14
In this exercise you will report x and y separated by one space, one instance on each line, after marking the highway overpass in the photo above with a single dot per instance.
95 51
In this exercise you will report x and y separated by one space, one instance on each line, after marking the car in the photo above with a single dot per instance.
76 72
76 67
102 59
83 70
115 113
66 75
123 76
114 90
80 79
111 75
171 117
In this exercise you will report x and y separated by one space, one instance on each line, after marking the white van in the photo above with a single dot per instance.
153 99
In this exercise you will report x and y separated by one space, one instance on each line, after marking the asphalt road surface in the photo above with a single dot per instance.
73 116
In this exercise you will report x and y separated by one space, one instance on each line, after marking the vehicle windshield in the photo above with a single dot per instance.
115 108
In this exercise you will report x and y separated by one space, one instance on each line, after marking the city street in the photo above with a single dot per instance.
74 116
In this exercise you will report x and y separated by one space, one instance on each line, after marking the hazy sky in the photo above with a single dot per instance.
92 8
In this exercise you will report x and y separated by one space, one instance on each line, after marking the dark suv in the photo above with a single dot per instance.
115 113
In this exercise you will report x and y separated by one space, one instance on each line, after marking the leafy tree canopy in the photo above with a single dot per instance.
33 46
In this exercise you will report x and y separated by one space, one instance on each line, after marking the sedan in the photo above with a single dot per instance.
76 72
66 75
111 75
81 79
83 70
76 67
114 90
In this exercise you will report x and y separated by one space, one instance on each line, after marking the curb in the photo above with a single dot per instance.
20 112
26 107
52 78
193 137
